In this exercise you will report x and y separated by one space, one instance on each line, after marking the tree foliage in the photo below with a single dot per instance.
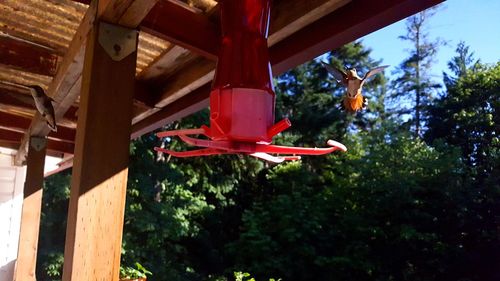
414 86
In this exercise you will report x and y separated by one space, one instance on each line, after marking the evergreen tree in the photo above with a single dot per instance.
467 116
414 86
460 64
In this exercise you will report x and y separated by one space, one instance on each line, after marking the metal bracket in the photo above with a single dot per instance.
117 41
38 143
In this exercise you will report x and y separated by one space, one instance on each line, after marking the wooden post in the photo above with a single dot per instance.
99 181
32 208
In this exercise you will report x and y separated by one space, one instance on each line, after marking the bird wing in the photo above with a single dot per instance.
372 72
338 74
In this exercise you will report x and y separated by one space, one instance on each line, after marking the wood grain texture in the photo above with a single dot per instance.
12 138
11 99
21 124
183 27
30 217
29 57
346 24
287 17
98 186
65 87
169 62
66 79
183 107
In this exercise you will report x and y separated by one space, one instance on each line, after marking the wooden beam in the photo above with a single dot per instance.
12 139
65 87
10 99
26 56
66 163
127 13
14 99
172 60
348 23
21 124
287 17
99 180
185 106
30 216
189 79
182 27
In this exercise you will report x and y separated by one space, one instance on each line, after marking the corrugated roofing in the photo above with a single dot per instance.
52 24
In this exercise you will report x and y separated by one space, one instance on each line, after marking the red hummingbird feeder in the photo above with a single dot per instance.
242 99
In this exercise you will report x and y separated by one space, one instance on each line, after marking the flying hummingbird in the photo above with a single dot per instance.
353 100
44 105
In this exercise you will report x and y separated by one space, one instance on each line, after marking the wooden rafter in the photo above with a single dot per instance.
66 163
344 25
12 139
65 87
183 27
21 124
288 17
23 55
185 106
13 99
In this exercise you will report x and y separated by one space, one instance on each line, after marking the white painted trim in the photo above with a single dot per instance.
11 200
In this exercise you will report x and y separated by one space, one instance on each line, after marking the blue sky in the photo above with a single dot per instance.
477 22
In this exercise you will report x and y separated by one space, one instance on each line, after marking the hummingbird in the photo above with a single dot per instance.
353 100
44 105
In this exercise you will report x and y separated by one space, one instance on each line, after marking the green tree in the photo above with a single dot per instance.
467 116
414 86
460 64
385 211
55 202
180 211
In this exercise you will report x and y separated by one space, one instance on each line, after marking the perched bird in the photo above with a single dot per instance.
353 100
44 105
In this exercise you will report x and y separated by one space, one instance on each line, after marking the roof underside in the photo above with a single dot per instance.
178 43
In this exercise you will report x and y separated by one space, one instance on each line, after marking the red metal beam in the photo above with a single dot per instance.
183 27
26 56
348 23
12 139
19 123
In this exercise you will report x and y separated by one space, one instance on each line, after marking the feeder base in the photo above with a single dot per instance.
259 150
